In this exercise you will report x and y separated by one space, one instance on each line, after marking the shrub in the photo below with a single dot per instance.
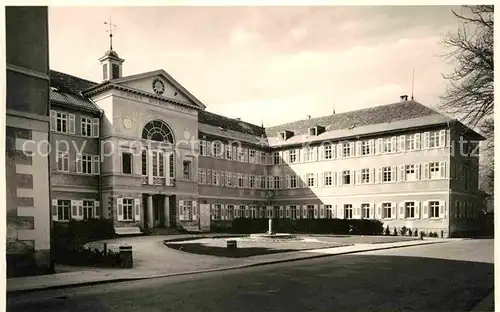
387 231
395 232
410 233
416 233
403 230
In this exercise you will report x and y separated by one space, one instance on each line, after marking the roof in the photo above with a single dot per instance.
65 89
363 117
230 123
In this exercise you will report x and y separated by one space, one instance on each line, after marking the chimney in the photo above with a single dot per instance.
404 97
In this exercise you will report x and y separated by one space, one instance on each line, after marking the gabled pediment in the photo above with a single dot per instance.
157 83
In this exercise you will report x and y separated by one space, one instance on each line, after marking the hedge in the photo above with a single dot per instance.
309 226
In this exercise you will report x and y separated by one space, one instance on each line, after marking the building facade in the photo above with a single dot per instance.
27 137
144 152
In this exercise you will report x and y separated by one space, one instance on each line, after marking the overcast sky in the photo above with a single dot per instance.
266 64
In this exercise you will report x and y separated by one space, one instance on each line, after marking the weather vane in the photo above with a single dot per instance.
110 31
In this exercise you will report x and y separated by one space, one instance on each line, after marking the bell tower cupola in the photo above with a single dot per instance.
111 64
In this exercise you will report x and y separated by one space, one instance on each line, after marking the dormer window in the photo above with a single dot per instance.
285 135
316 130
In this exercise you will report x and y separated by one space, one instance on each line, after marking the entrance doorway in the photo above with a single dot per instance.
157 217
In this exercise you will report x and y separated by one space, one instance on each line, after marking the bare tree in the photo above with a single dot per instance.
469 95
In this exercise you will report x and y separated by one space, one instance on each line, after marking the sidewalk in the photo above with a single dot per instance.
180 263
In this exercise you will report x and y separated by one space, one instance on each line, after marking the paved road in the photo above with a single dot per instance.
423 278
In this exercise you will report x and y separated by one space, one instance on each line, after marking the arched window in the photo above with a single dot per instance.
157 130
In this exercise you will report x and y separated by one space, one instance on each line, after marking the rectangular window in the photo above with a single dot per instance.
346 149
434 139
310 154
365 175
410 142
329 212
144 159
276 158
387 174
409 210
216 150
263 182
253 212
262 158
293 181
387 210
433 209
410 173
293 212
128 209
241 154
348 210
310 211
88 209
365 148
252 155
346 177
171 165
186 170
277 182
365 210
328 180
63 210
293 156
87 164
62 161
126 163
434 170
252 181
217 211
388 148
310 179
202 176
203 148
61 122
86 125
158 163
229 152
329 151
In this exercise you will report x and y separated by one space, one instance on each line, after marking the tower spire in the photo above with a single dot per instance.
110 31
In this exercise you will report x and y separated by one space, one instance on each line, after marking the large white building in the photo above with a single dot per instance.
400 163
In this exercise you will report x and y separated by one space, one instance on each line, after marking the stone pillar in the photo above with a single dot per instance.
166 211
150 211
270 231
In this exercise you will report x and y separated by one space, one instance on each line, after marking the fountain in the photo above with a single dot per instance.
271 235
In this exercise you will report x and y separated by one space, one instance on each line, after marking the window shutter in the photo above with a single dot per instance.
54 208
287 212
74 209
372 147
321 211
426 172
358 148
53 116
442 209
281 212
321 152
426 140
166 164
357 212
442 138
212 211
402 173
351 149
80 209
353 176
417 141
402 143
71 126
380 145
96 164
372 210
378 211
442 169
393 173
340 212
119 209
137 209
448 137
339 150
425 213
304 211
97 209
417 171
372 175
79 164
402 210
358 176
393 210
417 210
286 157
379 175
316 213
95 127
339 178
394 147
195 209
181 210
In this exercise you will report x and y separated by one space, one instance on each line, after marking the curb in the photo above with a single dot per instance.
129 279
